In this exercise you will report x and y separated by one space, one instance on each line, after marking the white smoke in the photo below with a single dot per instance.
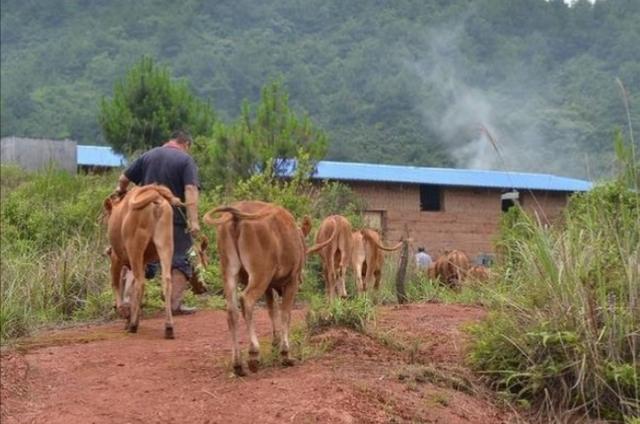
509 112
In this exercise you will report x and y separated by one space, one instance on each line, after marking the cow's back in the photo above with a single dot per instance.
343 238
375 257
272 242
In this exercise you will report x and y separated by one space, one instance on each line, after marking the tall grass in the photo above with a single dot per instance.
565 339
52 267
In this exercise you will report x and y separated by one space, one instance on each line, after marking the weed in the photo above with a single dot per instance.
351 313
563 334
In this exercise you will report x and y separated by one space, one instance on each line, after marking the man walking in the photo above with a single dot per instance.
423 260
172 166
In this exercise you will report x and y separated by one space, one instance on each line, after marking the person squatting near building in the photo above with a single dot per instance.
172 166
423 260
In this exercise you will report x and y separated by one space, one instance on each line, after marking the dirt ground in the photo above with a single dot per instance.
409 369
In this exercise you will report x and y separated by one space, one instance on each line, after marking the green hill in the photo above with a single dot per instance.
409 82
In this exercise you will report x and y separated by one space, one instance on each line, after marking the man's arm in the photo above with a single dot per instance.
191 200
133 173
190 179
123 183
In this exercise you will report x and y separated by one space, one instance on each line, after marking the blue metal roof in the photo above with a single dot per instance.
350 171
99 156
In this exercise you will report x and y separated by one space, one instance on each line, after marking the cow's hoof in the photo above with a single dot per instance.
239 371
124 311
254 364
168 333
288 362
133 328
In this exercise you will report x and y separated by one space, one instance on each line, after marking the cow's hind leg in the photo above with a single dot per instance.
164 247
248 299
117 286
274 314
230 268
136 249
288 297
341 271
357 270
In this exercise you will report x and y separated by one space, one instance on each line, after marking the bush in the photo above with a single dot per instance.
565 337
52 207
52 241
351 313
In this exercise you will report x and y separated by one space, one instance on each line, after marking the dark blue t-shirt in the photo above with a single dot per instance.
168 166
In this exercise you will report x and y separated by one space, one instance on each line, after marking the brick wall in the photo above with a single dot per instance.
546 205
468 220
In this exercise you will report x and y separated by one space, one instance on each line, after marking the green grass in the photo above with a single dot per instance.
564 331
354 313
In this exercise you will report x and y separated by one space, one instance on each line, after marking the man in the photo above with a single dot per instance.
172 166
423 260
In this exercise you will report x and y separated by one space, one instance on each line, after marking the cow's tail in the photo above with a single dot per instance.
235 214
319 246
379 245
151 193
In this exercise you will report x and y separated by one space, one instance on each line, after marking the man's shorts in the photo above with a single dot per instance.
182 242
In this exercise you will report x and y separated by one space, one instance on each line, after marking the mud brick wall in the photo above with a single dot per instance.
468 219
547 206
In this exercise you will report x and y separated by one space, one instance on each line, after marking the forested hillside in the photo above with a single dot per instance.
409 82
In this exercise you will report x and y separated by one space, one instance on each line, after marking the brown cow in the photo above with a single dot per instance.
201 259
336 255
262 248
367 257
451 267
140 230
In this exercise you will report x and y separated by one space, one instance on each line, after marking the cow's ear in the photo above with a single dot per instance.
306 225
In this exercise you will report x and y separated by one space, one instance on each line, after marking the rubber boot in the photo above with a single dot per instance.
179 284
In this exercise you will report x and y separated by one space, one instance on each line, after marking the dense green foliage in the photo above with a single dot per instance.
147 106
396 82
563 336
254 143
51 242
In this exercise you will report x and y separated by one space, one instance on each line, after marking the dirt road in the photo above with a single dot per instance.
408 370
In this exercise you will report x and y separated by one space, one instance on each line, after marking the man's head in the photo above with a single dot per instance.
420 249
183 138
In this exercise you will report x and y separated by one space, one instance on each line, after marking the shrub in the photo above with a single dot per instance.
565 337
351 313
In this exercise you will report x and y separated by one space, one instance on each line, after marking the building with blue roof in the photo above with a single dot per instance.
440 208
99 157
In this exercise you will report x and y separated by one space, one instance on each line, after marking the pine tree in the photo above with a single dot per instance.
147 106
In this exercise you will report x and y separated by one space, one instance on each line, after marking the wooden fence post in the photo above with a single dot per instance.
401 274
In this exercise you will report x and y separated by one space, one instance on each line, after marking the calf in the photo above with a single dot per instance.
367 258
261 247
478 273
140 230
451 267
335 255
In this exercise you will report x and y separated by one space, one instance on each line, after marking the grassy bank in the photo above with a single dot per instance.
563 337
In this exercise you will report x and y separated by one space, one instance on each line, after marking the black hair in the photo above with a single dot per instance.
420 249
182 137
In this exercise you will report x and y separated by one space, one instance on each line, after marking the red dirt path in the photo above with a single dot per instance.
100 374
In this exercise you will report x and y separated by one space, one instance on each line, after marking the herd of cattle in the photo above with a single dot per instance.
260 247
